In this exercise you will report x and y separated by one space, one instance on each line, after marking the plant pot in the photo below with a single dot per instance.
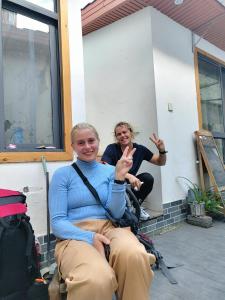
197 209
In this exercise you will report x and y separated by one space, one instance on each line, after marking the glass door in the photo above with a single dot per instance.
212 88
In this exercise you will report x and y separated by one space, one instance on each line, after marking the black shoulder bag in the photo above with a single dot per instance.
129 219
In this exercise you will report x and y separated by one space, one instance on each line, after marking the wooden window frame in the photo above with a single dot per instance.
66 153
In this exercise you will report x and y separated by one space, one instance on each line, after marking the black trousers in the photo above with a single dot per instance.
146 187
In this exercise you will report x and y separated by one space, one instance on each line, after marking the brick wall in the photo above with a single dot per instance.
173 213
44 258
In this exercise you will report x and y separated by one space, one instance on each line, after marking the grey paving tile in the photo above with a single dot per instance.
202 253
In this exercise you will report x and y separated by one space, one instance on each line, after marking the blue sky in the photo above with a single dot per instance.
84 2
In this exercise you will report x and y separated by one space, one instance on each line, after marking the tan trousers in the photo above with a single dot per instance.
89 276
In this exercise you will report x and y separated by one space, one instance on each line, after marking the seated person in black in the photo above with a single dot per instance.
142 184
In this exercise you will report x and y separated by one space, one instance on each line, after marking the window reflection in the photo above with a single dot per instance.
212 91
48 4
211 96
23 22
27 81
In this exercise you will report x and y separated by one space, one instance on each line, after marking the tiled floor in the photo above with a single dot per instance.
202 253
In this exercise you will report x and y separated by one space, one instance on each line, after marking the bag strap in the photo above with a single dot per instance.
92 190
1 229
31 263
87 183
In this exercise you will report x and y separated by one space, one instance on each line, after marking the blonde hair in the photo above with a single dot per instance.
126 124
82 126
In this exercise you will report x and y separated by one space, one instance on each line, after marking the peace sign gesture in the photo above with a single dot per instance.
158 142
124 164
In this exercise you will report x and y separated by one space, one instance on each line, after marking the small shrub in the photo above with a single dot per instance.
196 194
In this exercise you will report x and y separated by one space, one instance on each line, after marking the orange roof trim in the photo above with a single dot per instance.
204 17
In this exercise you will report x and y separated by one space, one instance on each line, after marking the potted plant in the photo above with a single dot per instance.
213 204
201 201
196 200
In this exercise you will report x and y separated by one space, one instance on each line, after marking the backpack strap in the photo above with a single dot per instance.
30 241
3 225
29 232
1 230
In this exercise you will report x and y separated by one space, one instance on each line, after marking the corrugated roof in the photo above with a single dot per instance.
204 17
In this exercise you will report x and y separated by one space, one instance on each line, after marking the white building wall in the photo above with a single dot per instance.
18 175
119 82
134 68
175 84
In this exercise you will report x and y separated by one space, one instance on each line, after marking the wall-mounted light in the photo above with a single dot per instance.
178 2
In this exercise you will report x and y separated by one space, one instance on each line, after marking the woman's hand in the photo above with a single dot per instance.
134 181
158 142
99 241
124 164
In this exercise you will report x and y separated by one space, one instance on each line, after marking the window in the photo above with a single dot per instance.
211 74
48 4
34 99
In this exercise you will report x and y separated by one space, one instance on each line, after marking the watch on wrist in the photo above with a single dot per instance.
163 152
119 181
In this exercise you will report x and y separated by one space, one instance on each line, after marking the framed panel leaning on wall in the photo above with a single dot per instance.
208 152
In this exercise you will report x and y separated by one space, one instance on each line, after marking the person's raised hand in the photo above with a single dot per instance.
99 241
158 142
134 181
124 164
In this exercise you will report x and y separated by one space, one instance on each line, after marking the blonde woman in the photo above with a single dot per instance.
80 223
141 183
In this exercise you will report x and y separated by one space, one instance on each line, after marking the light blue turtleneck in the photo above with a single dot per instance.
70 201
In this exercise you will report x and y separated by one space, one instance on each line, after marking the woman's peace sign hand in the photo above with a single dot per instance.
158 142
124 164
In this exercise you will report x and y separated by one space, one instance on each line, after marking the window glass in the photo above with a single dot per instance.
48 4
220 146
27 82
211 96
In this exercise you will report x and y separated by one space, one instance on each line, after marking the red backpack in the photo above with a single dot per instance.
19 260
12 203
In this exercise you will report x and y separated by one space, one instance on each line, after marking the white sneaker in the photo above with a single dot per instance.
144 215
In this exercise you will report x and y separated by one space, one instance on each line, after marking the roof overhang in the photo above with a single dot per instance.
205 18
